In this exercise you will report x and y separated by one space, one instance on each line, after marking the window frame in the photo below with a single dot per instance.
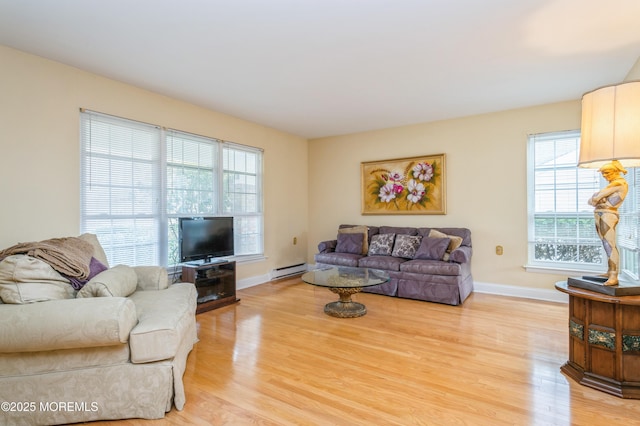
165 164
629 253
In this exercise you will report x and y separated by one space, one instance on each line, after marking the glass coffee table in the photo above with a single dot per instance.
345 281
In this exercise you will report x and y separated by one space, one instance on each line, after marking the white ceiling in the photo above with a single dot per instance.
326 67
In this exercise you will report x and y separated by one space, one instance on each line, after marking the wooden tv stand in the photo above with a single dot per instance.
215 283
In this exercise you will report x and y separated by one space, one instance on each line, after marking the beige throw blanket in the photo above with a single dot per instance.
69 256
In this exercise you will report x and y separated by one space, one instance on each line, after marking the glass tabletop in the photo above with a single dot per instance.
345 277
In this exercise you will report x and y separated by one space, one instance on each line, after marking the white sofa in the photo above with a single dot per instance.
108 355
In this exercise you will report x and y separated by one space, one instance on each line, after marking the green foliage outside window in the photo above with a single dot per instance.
567 239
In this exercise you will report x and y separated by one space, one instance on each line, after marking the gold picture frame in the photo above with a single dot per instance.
413 185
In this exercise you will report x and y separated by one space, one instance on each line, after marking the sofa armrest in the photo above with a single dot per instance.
461 255
327 246
66 324
151 277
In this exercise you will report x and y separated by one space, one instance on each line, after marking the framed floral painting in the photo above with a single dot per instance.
404 186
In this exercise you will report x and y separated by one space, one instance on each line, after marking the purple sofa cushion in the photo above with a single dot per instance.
339 259
387 263
430 267
432 248
349 243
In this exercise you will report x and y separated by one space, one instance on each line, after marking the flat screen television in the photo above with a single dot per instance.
205 238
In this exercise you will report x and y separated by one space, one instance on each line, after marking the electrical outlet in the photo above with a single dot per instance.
295 240
499 250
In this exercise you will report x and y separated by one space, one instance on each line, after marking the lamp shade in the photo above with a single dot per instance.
611 126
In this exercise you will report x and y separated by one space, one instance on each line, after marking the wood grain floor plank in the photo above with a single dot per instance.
275 358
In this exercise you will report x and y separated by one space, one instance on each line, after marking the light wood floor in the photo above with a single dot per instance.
276 359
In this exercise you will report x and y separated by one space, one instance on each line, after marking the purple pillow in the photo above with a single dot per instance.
95 267
349 243
432 248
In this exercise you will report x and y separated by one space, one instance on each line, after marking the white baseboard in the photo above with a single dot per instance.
479 287
523 292
252 281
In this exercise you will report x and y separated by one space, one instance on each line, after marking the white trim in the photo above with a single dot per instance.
560 271
248 258
252 281
547 295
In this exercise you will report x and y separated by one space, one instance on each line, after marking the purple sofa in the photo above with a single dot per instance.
424 275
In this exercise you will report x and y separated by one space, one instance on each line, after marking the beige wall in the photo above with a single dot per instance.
486 182
39 146
310 188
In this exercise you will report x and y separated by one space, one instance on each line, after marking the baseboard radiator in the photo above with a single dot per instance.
287 271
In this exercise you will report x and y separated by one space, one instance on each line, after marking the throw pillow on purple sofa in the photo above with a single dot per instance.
432 248
349 243
406 246
361 230
454 242
381 245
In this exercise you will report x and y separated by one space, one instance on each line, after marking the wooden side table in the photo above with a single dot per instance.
604 341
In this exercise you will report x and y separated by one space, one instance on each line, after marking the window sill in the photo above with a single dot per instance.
249 258
559 271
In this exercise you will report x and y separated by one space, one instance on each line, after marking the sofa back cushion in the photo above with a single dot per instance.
25 279
398 230
463 233
98 251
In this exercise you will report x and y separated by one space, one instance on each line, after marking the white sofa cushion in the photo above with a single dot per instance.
119 281
25 279
38 362
164 317
66 324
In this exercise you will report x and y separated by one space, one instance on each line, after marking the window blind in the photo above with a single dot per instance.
120 187
562 230
242 183
137 180
561 224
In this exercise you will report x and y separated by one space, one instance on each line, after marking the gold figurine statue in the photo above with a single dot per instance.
606 203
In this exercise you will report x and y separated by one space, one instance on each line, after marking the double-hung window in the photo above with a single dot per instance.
242 195
137 180
562 234
192 173
120 187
